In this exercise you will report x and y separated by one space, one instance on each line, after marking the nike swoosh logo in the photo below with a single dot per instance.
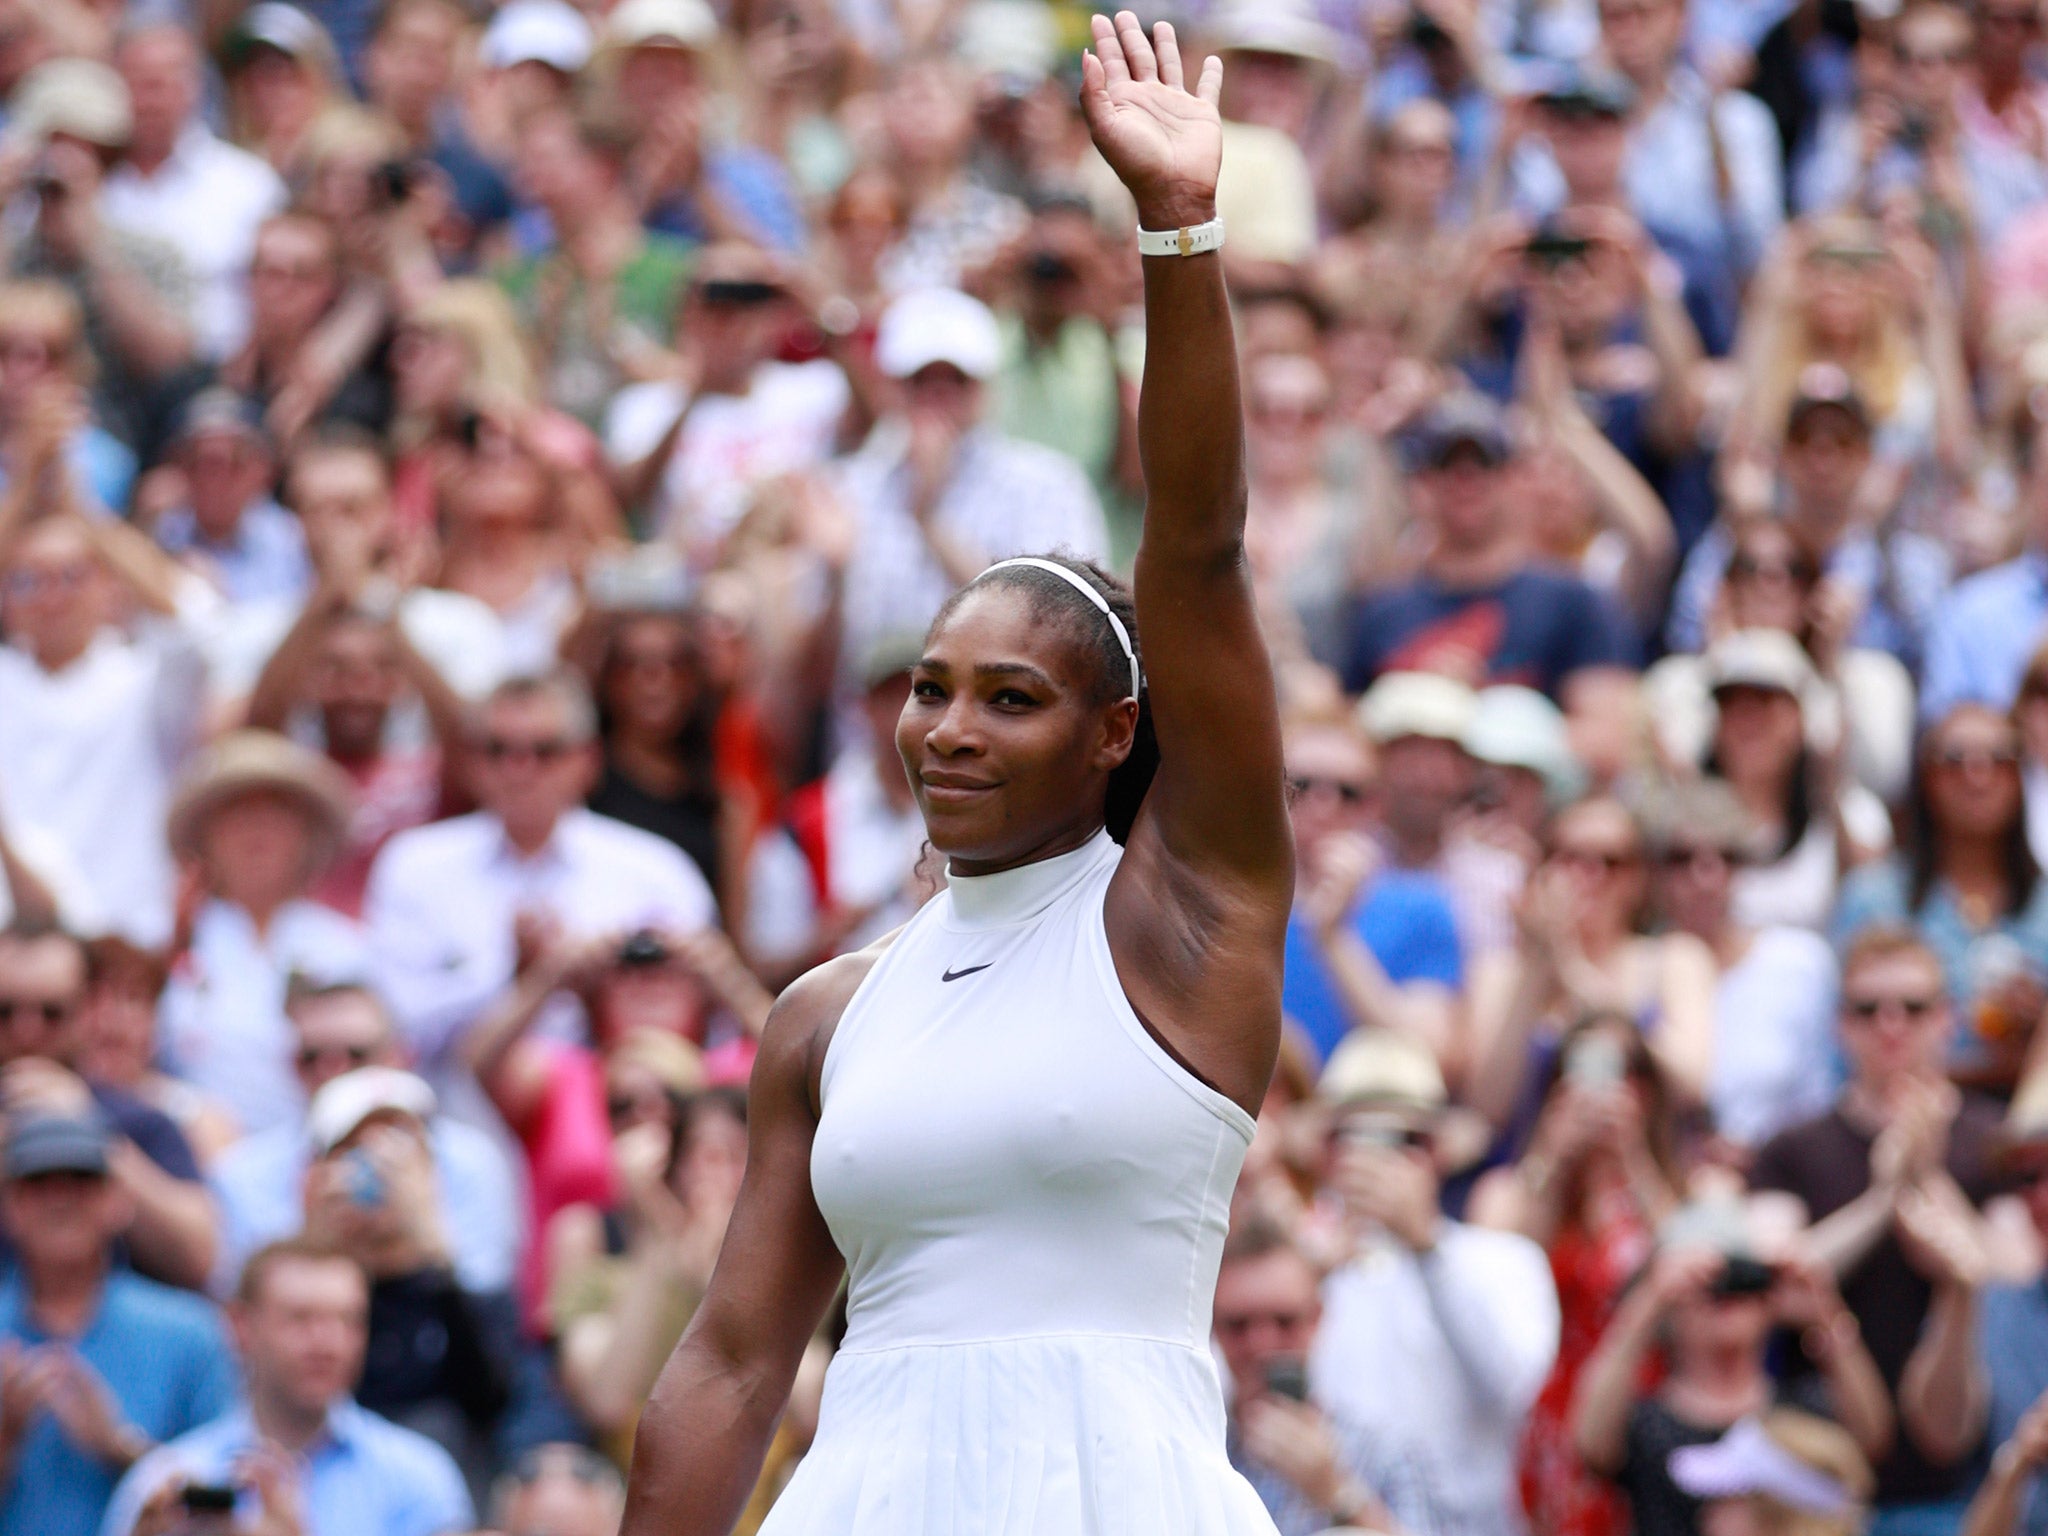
956 975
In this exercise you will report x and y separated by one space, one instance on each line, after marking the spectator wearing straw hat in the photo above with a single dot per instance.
259 816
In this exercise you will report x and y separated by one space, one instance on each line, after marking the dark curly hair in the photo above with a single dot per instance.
1055 602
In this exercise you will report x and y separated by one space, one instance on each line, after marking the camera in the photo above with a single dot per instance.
1550 251
393 181
644 948
1048 267
1743 1277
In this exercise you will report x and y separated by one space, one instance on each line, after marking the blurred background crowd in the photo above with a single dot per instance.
472 485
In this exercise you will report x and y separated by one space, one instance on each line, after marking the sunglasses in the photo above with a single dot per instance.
738 294
311 1056
51 1010
550 749
1866 1010
1348 790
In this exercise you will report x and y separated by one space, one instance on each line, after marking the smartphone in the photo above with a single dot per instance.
207 1498
1287 1376
1743 1277
1596 1062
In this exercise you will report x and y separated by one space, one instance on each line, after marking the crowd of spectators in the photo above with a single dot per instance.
473 482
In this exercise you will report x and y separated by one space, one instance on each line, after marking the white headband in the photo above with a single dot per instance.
1086 588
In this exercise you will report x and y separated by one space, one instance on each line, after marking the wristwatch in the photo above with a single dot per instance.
1188 240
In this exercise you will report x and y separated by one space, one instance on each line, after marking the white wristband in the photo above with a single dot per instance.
1193 240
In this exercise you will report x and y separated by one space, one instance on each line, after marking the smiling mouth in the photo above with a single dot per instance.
953 792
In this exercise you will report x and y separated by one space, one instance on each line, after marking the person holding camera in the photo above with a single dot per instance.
1436 1335
297 1456
1709 1305
1311 1467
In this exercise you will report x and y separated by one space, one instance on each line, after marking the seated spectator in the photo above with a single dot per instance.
98 718
559 1490
43 1065
600 297
1418 723
1884 1183
1774 744
117 1044
627 1282
439 1355
1368 946
936 492
1774 999
297 1441
98 1364
178 181
458 910
259 1180
1436 1336
131 288
1308 1466
1583 949
1713 1303
1479 610
227 527
1600 1176
257 817
692 451
1786 1471
1968 883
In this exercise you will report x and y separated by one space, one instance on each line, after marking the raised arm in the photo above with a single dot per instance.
1216 803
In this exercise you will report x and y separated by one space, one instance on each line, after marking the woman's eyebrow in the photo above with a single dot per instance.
989 670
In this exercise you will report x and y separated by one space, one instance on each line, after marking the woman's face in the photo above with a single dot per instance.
1006 749
500 488
1287 408
430 366
257 848
1597 844
1971 763
1837 296
1759 732
1419 161
651 682
634 1096
1770 580
713 1160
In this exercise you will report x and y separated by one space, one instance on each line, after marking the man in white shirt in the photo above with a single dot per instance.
180 183
94 721
456 909
936 493
1436 1336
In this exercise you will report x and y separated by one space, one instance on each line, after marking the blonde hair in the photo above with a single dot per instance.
1886 356
497 370
46 302
1829 1450
347 131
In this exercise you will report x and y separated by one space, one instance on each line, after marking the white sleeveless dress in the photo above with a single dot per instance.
1031 1196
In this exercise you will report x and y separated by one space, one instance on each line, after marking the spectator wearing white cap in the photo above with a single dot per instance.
1436 1336
658 57
937 493
132 286
179 181
1418 721
1527 768
228 527
536 47
281 72
438 1357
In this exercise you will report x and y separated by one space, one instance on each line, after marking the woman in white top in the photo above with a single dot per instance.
1017 1122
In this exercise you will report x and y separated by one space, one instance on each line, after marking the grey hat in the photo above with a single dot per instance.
1589 91
42 1144
1463 419
220 409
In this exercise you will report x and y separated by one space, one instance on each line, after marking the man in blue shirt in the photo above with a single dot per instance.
96 1363
301 1317
229 527
1990 624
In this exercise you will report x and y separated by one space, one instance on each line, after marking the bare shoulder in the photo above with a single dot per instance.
802 1022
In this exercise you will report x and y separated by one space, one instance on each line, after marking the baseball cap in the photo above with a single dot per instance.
1417 704
1586 91
221 409
342 1105
1826 387
1380 1067
1760 658
686 24
938 325
38 1144
1515 727
546 32
1750 1460
1284 27
1464 419
81 98
273 24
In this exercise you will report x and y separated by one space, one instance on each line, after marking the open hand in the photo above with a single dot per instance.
1164 141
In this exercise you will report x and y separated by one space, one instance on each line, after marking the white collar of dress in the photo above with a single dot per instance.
1022 892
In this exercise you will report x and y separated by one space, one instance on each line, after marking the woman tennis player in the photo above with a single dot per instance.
1016 1122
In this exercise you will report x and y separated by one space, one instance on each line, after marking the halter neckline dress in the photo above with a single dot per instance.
1031 1195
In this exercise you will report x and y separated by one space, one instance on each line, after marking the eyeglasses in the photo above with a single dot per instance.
1237 1324
1748 568
52 1010
549 749
1301 786
1866 1010
1959 757
311 1056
